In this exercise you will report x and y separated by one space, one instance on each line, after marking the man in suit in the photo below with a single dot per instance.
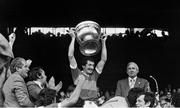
37 82
124 85
14 89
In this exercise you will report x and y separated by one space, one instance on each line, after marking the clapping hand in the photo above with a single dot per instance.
58 86
51 84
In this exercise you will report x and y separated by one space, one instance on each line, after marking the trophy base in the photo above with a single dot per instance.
90 48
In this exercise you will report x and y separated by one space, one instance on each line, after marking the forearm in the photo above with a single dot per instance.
71 57
104 51
101 63
74 96
71 47
11 45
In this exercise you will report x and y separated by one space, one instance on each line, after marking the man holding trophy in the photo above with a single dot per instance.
88 34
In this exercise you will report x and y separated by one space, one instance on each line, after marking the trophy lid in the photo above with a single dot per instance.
88 23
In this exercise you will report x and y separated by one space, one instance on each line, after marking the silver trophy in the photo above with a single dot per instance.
88 35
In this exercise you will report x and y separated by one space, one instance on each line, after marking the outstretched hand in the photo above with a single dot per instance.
29 61
72 32
104 37
12 38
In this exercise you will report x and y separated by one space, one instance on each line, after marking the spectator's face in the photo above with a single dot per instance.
89 67
140 103
168 95
24 69
132 70
165 104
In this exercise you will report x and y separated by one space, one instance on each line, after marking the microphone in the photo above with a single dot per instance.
157 88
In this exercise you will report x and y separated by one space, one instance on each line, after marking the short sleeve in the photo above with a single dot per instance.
75 73
96 74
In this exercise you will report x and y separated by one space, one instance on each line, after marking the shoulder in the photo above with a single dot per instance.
16 77
122 80
16 81
142 79
31 83
75 69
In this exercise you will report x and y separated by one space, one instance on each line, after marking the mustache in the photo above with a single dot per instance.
90 69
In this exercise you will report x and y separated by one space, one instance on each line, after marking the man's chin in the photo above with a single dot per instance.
25 76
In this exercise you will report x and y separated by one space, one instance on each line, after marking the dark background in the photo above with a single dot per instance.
159 58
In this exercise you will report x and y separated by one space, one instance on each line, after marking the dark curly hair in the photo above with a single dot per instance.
133 94
149 97
34 73
87 58
46 97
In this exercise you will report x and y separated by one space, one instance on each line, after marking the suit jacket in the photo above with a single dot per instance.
15 92
34 90
123 86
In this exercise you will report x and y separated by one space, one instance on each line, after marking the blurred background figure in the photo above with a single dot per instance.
6 55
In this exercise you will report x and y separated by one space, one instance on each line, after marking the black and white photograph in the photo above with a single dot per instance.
89 54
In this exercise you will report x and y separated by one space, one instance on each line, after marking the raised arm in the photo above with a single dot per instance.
102 62
12 38
75 95
72 60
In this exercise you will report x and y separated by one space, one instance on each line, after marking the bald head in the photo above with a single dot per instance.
134 64
132 69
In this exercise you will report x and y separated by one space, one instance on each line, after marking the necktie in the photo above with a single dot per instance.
132 82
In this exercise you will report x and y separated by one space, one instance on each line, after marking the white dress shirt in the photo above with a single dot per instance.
132 81
39 84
